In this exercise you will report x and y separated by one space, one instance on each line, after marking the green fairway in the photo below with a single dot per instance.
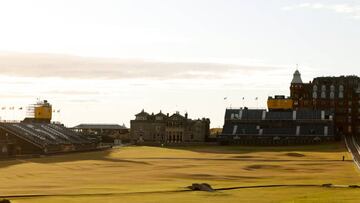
151 174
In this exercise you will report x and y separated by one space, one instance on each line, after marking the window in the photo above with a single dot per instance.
341 95
314 88
314 95
341 88
323 88
141 118
332 88
323 95
332 95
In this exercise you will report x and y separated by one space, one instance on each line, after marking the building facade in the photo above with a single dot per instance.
161 128
338 94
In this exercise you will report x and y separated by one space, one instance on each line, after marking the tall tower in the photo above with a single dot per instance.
296 89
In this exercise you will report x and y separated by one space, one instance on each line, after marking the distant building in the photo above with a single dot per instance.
258 126
161 128
338 94
104 132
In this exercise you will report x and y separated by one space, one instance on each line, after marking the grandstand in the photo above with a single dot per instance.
259 126
41 138
38 135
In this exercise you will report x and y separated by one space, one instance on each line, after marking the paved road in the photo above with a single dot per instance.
354 147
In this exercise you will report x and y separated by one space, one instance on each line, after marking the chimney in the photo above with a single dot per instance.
186 115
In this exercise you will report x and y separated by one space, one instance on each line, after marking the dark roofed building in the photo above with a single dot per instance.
104 132
161 128
100 127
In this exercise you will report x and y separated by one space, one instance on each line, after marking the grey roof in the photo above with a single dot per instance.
177 115
142 113
296 78
256 114
160 114
101 126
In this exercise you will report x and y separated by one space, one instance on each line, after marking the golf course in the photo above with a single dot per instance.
162 174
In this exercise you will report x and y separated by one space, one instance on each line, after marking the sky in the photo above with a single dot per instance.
103 61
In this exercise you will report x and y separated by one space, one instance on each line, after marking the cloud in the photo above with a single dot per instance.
72 92
351 10
65 66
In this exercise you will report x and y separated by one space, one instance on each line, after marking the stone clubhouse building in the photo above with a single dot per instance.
164 128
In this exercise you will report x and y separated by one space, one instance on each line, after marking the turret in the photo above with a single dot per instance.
296 89
296 78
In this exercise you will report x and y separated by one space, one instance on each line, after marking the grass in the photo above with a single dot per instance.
151 174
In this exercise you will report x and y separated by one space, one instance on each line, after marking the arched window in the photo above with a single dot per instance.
315 88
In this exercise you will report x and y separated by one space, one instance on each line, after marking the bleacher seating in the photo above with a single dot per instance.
48 136
282 115
303 125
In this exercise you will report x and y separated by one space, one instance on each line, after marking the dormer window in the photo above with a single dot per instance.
141 118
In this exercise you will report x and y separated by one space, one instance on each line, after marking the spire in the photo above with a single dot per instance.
296 77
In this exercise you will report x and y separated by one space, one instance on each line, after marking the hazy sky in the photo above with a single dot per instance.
105 60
